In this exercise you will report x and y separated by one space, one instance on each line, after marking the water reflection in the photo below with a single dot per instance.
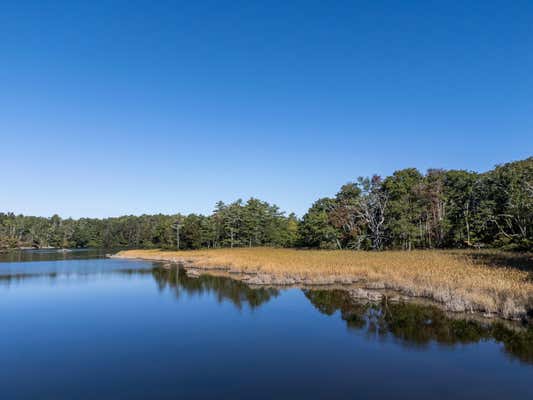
419 325
237 292
409 324
14 273
52 254
52 278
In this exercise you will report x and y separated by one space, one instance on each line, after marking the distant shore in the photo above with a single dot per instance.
460 281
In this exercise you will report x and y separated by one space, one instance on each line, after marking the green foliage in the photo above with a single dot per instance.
441 209
404 210
506 200
407 210
316 228
255 223
460 193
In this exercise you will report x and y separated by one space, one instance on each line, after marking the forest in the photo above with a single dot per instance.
407 210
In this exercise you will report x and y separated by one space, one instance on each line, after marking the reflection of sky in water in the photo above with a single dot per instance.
52 254
70 267
118 328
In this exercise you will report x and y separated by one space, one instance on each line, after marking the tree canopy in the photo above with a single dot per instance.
407 210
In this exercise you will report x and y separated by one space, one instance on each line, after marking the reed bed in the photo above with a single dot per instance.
454 278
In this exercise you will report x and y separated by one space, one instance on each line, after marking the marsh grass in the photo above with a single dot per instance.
462 280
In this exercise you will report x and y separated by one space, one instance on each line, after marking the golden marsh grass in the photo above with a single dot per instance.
453 278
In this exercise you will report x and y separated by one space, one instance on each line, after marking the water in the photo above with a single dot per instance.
95 328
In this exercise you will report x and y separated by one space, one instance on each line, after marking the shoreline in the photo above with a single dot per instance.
359 285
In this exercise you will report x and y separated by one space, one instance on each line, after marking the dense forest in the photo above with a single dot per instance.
407 210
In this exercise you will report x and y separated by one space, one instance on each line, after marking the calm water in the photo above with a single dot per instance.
88 327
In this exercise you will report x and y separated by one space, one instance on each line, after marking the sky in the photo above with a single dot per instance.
129 107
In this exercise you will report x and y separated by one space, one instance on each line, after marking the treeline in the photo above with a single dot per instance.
441 209
254 223
408 210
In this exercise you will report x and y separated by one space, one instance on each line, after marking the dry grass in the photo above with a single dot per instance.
455 278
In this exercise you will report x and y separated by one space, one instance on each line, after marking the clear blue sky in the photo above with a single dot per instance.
119 107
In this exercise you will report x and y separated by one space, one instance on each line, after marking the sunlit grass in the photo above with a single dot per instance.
445 276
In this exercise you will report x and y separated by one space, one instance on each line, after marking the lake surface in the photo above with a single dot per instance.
79 326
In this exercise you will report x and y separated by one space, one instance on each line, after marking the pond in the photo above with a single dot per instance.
76 325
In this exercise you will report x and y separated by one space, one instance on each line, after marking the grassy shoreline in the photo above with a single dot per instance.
480 281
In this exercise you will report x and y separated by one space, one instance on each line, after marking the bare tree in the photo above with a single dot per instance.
177 226
371 209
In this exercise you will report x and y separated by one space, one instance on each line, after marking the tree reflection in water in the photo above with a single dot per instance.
408 323
225 288
419 325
